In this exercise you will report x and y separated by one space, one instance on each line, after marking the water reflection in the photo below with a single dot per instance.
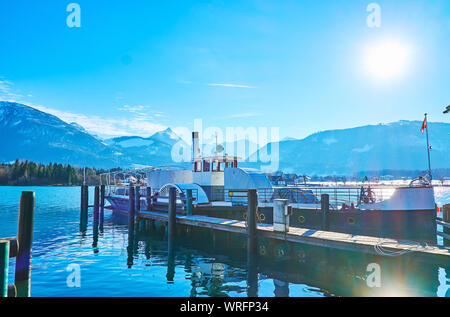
335 273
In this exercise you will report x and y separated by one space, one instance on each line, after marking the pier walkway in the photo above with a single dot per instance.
334 240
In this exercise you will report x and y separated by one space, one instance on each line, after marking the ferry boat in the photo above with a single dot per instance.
219 186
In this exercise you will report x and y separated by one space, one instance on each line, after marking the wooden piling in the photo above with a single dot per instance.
446 218
189 207
25 240
84 207
138 199
86 199
81 199
96 204
148 194
172 213
252 241
131 215
12 290
325 208
4 265
102 205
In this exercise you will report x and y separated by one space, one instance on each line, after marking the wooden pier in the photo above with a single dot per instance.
334 240
19 247
252 230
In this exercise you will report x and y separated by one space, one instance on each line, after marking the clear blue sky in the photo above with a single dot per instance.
138 66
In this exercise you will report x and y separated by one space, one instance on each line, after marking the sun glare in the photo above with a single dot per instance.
387 59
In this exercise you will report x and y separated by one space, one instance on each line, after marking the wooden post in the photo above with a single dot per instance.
189 202
252 242
131 215
96 204
172 213
4 265
12 290
25 240
171 232
86 199
138 199
81 201
149 198
102 205
325 208
446 218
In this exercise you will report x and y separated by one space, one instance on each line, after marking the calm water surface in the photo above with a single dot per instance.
108 269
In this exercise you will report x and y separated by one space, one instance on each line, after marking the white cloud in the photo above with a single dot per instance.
108 127
7 92
230 85
330 141
133 109
365 148
244 115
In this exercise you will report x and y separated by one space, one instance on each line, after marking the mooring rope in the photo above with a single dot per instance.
380 250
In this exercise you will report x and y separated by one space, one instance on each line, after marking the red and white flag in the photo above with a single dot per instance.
424 125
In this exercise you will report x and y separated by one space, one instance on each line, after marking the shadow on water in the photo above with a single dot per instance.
330 272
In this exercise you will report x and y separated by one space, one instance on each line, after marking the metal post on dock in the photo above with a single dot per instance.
189 202
325 208
4 265
102 205
446 219
172 213
25 241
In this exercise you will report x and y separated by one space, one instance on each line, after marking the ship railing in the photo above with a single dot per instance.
123 190
340 197
181 193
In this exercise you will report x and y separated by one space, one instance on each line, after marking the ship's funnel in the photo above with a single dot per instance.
195 147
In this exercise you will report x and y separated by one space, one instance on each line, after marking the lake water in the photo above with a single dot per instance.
108 268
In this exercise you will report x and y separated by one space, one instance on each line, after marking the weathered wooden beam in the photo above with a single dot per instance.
131 215
102 205
13 246
172 212
325 208
446 219
96 204
25 238
4 266
252 240
189 207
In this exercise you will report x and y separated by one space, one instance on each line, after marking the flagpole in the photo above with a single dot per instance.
428 149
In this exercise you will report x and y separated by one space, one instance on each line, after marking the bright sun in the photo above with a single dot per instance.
387 59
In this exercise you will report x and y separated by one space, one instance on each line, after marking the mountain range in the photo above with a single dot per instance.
29 134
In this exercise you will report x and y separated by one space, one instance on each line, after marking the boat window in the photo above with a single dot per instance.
206 166
197 166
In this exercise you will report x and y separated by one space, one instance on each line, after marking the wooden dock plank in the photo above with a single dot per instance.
335 240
